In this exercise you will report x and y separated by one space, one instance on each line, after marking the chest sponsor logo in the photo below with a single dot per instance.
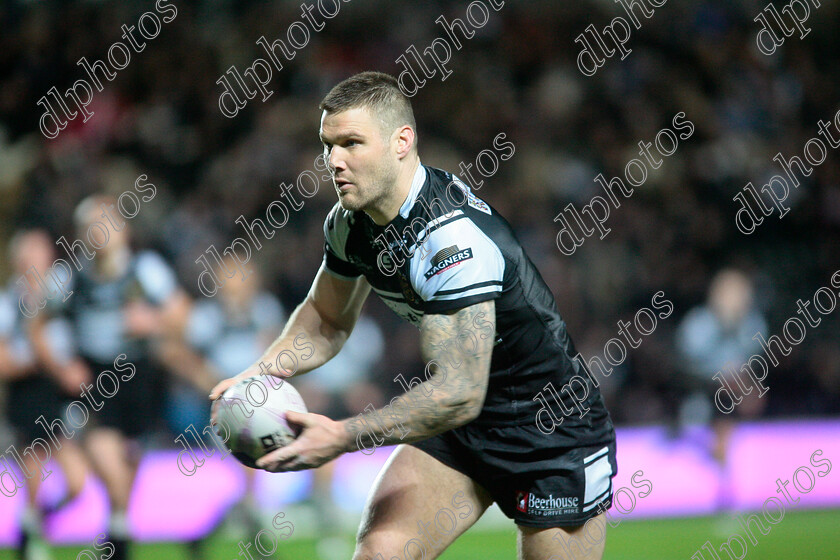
447 258
528 502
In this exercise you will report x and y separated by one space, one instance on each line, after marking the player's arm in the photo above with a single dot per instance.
61 364
316 330
452 396
10 369
164 307
324 319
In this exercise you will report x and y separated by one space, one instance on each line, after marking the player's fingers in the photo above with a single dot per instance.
214 408
300 418
277 458
221 387
285 374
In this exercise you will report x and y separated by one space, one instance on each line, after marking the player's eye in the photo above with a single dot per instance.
350 143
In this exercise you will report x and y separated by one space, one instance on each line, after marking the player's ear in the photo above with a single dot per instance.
405 139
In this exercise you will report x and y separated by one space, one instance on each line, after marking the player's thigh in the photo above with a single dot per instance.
581 542
107 450
417 507
73 464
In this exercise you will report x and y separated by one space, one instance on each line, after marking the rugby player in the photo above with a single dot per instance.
34 354
124 302
469 430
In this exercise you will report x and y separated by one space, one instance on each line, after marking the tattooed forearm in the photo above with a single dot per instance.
458 367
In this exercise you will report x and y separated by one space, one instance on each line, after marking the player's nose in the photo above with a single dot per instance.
336 161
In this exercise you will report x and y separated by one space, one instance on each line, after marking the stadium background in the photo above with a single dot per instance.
518 75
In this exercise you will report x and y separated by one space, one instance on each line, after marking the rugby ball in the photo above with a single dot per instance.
251 417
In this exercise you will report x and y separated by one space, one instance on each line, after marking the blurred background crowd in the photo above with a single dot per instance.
518 75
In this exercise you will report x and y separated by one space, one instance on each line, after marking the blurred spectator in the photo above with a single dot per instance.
340 388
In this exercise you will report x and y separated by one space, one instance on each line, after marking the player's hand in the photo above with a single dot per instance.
321 441
257 369
141 319
223 386
217 392
71 378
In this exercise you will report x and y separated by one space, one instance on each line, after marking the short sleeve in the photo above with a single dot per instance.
156 277
268 312
204 325
458 265
59 333
8 311
336 232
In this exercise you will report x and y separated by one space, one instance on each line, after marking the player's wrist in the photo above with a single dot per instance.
346 436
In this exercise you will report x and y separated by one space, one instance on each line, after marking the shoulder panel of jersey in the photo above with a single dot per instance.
457 265
205 324
8 313
155 277
336 231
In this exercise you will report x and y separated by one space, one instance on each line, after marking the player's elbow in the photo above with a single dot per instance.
466 408
472 412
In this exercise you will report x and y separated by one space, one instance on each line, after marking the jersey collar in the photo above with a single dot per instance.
416 184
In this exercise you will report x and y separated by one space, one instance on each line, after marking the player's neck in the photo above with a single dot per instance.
390 206
112 264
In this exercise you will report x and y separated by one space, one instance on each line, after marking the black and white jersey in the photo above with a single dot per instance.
233 337
448 249
14 332
96 308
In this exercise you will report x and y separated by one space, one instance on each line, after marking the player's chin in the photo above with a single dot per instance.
350 201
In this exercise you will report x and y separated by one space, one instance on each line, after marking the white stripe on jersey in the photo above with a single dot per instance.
387 293
336 231
430 226
468 293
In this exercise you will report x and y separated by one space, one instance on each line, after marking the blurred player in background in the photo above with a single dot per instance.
123 302
490 333
341 387
33 355
224 335
718 337
230 331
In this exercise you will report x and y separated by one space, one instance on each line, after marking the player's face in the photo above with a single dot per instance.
34 249
100 229
361 157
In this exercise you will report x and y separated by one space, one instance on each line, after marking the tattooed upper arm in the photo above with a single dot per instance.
458 356
458 361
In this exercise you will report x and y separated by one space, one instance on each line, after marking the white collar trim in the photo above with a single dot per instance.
416 184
